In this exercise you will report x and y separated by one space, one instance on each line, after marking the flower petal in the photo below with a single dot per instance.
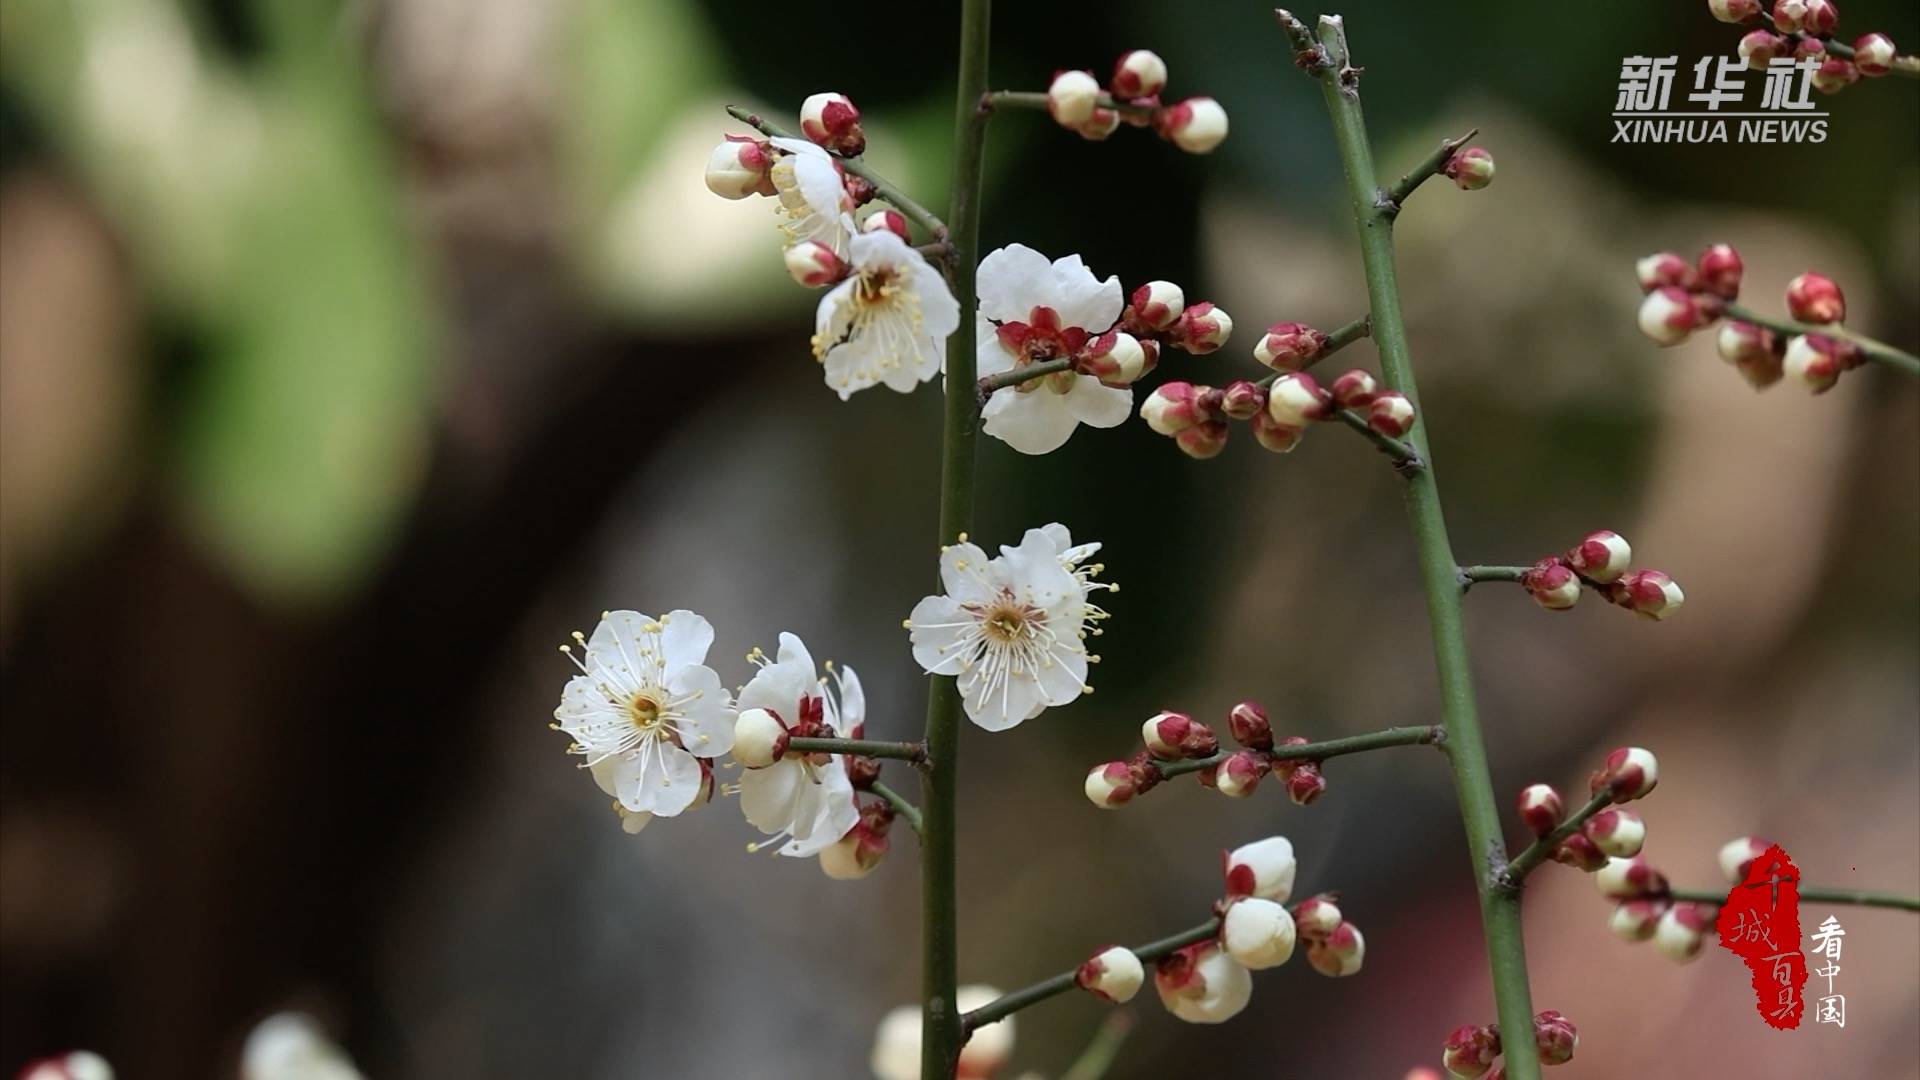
1011 281
997 706
766 795
1032 423
684 639
966 571
1082 299
660 779
1099 406
940 627
706 716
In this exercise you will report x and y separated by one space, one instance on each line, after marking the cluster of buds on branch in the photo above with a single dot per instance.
1176 743
1474 1051
1682 298
1279 406
1600 561
1076 102
1801 31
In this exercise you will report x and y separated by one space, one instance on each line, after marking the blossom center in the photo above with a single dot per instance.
1007 622
647 715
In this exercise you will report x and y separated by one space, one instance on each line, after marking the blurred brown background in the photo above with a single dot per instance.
352 354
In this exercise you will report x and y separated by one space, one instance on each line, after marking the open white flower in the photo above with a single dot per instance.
805 800
1011 629
1031 311
814 204
1073 557
645 709
888 322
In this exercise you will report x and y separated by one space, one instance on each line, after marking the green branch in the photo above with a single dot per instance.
1421 173
1543 848
1320 751
1877 351
940 1033
1818 894
1405 458
882 187
1007 1004
903 807
1022 374
1328 61
911 752
1030 99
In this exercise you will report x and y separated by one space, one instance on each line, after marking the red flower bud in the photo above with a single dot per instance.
1243 400
1630 773
1390 414
1662 270
832 121
1275 436
1248 723
1289 346
1555 1036
1814 298
1354 389
1720 270
1541 808
1305 784
1203 441
1578 852
1873 54
1470 1051
1552 584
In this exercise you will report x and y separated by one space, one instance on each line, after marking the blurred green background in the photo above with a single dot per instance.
351 354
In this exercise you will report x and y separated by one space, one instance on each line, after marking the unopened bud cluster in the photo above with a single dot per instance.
1473 1051
1601 561
1613 833
1800 29
1076 102
1281 406
1682 298
1172 737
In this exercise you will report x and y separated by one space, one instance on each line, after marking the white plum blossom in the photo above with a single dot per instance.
888 322
804 802
1032 311
1011 629
646 711
291 1046
814 204
896 1043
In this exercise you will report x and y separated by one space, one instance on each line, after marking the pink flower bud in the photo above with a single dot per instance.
1239 774
1173 735
1339 953
1789 16
1244 400
1834 75
1682 931
1818 17
1140 73
1541 808
1203 441
1305 783
1258 933
1390 414
1760 47
1635 920
854 855
1555 1037
1264 868
1155 306
1737 856
1619 833
1104 123
1289 346
1669 315
831 120
1805 47
1630 773
1816 361
1112 974
1250 727
1173 408
1742 343
1720 271
1275 436
1202 329
759 738
1201 984
813 264
1072 97
1196 125
1115 358
1814 298
887 219
1873 54
739 167
1579 852
1552 584
1110 786
1354 389
1295 399
1649 593
1470 1051
1734 11
74 1065
1663 270
1629 879
1316 917
1602 556
1471 169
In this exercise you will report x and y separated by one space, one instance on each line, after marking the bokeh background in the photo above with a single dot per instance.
351 354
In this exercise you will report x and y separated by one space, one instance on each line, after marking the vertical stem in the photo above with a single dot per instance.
1466 752
940 1037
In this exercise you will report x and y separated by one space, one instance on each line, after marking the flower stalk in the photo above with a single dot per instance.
1055 985
1327 59
1875 350
1542 849
1321 751
940 1030
1816 893
1397 195
911 752
902 807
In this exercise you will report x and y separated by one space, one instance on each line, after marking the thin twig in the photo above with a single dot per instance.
1405 458
1543 848
883 187
902 806
1879 351
1103 1049
1818 894
1028 99
1007 1004
1396 196
911 752
1321 751
1024 373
